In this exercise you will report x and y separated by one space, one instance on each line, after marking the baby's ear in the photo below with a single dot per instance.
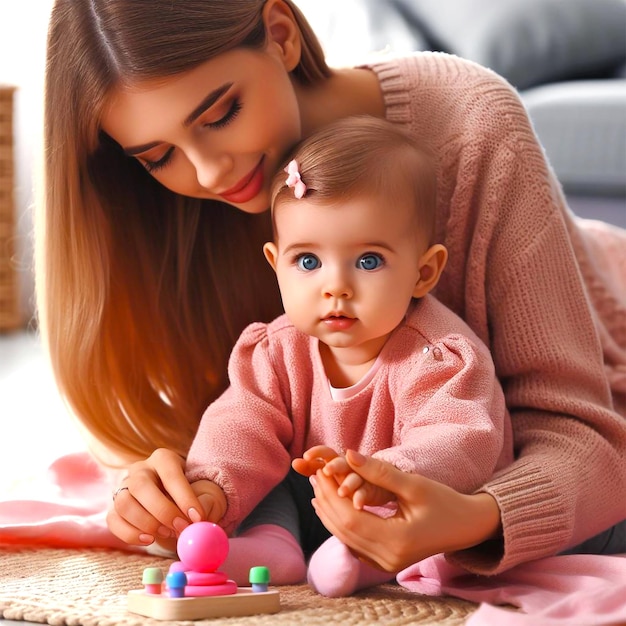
430 267
271 253
283 31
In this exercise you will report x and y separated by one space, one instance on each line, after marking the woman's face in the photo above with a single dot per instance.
219 131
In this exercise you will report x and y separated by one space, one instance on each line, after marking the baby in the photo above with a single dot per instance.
364 358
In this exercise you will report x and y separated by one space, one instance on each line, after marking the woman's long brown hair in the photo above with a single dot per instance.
142 293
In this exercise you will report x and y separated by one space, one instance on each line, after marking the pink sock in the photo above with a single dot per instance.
268 545
334 572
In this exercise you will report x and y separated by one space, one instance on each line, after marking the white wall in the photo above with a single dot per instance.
23 26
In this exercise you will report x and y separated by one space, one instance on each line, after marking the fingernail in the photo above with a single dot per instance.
356 458
194 516
164 531
180 524
145 538
313 481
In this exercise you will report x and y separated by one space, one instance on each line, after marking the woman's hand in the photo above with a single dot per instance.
155 502
431 517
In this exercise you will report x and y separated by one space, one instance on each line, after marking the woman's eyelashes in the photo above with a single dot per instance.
225 120
230 115
155 166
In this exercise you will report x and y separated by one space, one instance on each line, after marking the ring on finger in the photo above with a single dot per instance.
117 491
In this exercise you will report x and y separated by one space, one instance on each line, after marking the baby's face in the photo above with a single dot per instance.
346 270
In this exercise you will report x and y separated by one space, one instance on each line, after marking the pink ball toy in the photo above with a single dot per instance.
202 547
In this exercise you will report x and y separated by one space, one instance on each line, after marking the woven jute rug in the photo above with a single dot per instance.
88 587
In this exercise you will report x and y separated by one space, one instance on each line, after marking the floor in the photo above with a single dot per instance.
35 426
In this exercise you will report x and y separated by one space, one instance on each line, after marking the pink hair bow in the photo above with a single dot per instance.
294 180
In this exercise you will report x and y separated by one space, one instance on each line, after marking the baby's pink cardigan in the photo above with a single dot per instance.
545 291
433 406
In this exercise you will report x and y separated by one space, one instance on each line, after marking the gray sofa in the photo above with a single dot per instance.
567 58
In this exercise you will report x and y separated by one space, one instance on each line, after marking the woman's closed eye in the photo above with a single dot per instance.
233 110
155 166
228 117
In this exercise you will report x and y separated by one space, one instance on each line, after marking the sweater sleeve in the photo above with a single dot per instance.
452 422
242 440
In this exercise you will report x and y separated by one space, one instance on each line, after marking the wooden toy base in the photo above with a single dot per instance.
244 602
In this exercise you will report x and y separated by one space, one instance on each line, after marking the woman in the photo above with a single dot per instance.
161 117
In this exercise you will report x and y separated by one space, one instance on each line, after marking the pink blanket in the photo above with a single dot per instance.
70 506
562 590
67 509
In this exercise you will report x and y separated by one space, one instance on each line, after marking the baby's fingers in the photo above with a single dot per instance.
313 459
307 467
349 486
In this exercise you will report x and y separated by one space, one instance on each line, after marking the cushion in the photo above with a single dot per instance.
582 125
529 42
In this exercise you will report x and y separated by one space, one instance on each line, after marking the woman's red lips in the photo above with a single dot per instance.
247 188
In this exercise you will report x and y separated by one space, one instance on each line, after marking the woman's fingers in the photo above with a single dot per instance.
157 500
131 523
169 468
382 474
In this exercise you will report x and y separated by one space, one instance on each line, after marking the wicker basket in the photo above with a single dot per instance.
10 317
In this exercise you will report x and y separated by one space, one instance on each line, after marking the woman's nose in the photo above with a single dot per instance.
212 170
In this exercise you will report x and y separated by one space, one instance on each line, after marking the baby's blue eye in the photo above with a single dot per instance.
370 261
308 262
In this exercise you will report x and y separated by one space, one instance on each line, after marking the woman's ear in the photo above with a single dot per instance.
283 31
271 253
431 265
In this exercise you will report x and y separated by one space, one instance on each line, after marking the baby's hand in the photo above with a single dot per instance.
212 498
353 486
339 469
313 459
349 483
362 492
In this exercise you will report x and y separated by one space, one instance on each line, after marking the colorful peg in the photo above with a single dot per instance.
259 578
152 580
176 582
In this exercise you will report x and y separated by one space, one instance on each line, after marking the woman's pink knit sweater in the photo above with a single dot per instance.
544 290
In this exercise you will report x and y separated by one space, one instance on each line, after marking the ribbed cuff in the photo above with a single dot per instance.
535 521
